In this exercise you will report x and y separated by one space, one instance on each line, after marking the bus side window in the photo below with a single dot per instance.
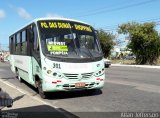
23 42
11 45
14 44
18 51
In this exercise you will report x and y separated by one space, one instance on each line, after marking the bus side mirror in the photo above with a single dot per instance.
96 31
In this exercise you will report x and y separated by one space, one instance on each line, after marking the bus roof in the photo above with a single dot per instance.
49 18
58 18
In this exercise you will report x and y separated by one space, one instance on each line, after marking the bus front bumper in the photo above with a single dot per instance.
66 85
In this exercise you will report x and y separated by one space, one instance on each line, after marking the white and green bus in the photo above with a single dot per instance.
57 54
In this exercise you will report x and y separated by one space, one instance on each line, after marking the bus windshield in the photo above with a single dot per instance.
68 39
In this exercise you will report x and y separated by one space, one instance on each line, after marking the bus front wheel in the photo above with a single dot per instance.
40 90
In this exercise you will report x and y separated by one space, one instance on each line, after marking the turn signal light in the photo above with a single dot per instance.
59 81
54 82
98 79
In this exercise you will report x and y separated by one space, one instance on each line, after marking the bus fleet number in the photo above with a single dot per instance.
55 65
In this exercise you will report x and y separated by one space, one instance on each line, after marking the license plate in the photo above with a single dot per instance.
80 85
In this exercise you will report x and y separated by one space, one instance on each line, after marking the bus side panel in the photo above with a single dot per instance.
11 60
24 66
24 75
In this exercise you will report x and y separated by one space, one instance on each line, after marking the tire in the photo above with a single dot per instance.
40 90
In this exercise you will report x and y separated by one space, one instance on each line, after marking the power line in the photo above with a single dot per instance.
108 6
147 20
116 9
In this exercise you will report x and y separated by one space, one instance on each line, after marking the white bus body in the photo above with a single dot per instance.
57 54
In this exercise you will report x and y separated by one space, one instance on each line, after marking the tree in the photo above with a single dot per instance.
106 41
144 41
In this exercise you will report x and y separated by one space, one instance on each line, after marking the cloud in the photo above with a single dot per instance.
23 13
50 15
2 14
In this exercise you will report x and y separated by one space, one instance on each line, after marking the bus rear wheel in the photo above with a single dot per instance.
40 90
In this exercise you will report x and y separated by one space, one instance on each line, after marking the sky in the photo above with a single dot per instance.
106 14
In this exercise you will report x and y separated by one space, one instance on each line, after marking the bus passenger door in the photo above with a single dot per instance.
35 55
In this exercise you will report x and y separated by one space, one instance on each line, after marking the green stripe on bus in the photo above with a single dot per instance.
52 48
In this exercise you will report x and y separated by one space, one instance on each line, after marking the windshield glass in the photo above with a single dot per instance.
68 39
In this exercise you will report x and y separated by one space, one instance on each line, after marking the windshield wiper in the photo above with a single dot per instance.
55 56
74 43
90 54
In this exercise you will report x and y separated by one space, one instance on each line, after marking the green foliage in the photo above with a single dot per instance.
106 41
144 41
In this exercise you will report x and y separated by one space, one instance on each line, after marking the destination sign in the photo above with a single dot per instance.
64 25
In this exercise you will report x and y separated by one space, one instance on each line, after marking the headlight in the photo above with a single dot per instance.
44 68
58 75
49 71
54 74
99 73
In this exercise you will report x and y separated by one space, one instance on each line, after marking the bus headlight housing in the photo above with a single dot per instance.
54 74
49 71
99 73
58 75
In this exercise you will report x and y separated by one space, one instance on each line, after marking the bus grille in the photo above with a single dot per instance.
71 76
87 75
78 76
